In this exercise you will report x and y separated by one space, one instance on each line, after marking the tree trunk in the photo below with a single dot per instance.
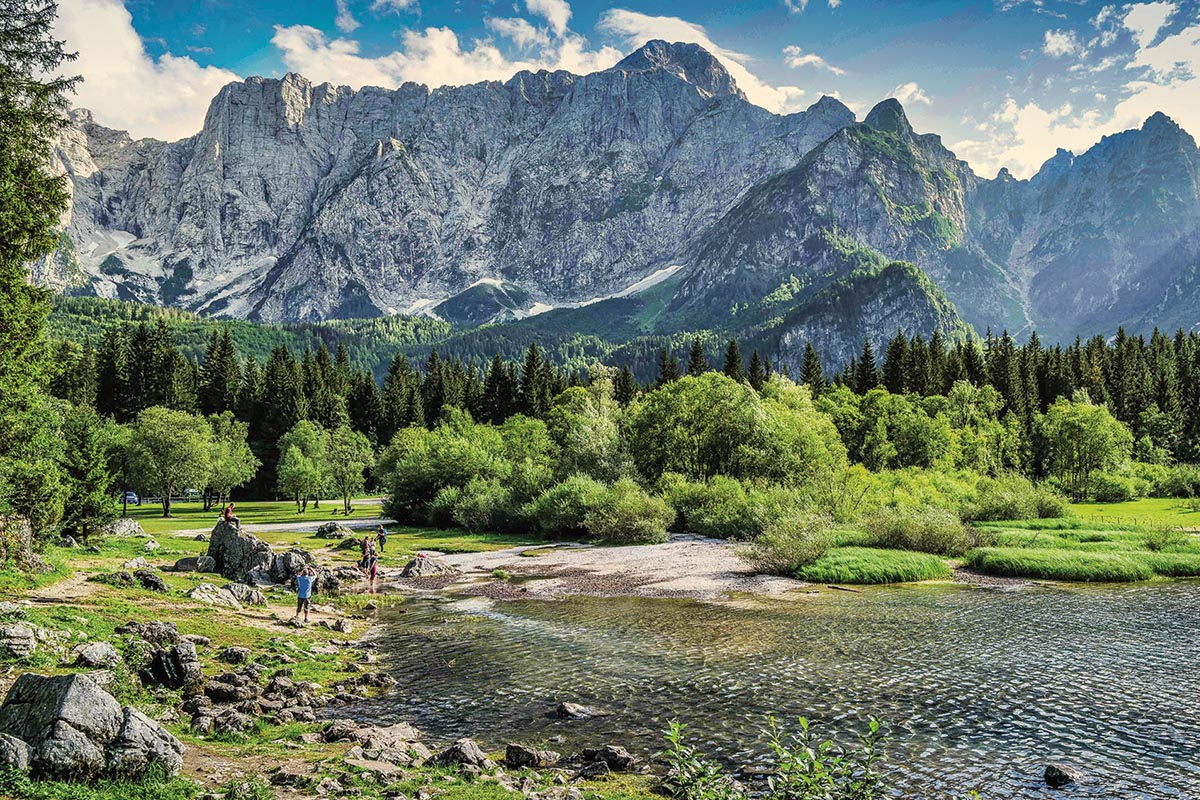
298 509
346 504
166 504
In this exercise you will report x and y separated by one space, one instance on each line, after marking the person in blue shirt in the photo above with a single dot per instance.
304 591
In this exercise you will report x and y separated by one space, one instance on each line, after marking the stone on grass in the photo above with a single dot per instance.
246 595
1059 775
97 655
125 527
197 639
519 756
593 770
214 596
74 730
136 563
14 753
234 655
12 610
464 753
195 564
159 634
177 668
149 579
121 579
334 530
17 640
150 546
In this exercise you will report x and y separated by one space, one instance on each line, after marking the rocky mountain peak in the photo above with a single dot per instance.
688 61
889 116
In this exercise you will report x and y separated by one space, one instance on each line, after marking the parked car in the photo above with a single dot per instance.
130 498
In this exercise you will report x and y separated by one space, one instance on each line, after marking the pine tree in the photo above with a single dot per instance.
866 374
895 363
533 394
916 368
697 364
365 405
937 364
400 400
668 367
220 375
812 374
112 376
733 362
758 372
624 386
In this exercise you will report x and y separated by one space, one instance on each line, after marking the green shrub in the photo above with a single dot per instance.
440 512
692 777
1181 480
1013 497
869 565
1158 539
790 543
725 508
483 505
155 786
627 515
926 530
562 509
1059 564
1107 487
1149 479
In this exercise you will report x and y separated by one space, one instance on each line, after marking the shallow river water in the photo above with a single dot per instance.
981 687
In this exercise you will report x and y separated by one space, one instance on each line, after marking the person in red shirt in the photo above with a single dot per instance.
228 516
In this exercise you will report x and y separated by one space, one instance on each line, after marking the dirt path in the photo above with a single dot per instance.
686 566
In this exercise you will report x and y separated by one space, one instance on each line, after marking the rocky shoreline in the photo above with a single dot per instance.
62 719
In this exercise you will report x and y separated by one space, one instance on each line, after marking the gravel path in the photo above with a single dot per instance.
686 566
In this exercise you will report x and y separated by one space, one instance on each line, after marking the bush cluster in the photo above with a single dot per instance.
925 530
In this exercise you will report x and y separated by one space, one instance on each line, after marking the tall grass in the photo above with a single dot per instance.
1060 564
869 565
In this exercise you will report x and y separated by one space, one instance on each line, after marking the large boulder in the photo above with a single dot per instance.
14 753
125 527
158 634
423 566
236 554
149 579
464 752
214 596
1059 775
518 756
195 564
334 530
246 595
97 655
286 566
177 668
73 729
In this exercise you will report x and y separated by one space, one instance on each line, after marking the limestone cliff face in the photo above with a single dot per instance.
301 202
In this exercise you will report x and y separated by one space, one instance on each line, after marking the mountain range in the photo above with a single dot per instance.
652 196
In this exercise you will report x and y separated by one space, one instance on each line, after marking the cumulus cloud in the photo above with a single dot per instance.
393 6
556 12
345 21
1145 20
910 93
798 6
635 29
521 32
1060 43
794 57
126 88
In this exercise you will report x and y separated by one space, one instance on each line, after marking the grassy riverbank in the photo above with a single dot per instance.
71 608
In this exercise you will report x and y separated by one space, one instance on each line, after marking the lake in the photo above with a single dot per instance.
980 687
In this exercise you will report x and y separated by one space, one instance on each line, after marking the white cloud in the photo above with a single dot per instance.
555 12
910 93
521 32
394 6
433 56
1145 20
1060 43
636 29
345 21
794 57
164 97
798 6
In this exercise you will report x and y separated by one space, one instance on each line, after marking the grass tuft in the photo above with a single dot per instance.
869 565
1060 564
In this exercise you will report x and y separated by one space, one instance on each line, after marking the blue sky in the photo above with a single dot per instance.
1004 82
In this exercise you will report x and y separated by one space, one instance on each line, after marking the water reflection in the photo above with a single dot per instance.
982 687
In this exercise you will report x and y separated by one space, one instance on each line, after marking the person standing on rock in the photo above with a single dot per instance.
381 537
304 590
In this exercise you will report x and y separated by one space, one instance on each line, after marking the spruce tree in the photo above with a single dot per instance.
812 374
533 397
758 372
365 405
624 386
668 367
937 382
112 376
733 362
697 364
895 364
866 374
